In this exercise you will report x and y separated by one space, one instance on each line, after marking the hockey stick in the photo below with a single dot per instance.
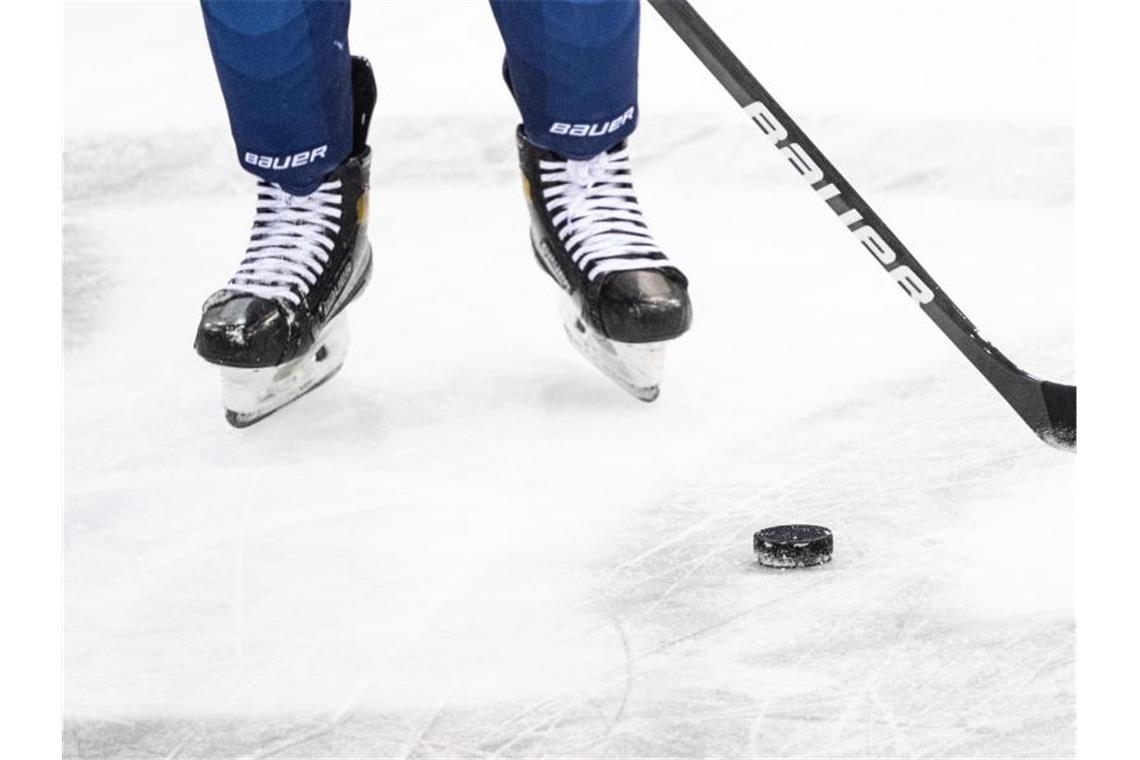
1050 409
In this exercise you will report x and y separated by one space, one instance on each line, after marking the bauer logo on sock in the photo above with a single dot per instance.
286 162
593 130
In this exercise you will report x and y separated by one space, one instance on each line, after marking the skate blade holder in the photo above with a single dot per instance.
252 394
637 367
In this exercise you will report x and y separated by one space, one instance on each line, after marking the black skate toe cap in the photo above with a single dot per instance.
644 306
240 330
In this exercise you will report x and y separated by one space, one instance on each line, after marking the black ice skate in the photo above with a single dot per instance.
623 299
277 328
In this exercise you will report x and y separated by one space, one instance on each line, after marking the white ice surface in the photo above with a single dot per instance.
470 542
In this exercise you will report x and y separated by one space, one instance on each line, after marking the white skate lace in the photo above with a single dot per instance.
596 214
290 244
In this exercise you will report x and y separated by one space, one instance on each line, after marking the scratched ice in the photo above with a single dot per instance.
470 543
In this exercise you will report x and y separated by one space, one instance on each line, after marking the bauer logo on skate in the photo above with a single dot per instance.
851 218
593 130
286 162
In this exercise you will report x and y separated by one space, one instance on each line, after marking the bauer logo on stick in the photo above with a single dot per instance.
910 282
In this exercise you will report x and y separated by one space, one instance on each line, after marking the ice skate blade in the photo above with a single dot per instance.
636 367
251 395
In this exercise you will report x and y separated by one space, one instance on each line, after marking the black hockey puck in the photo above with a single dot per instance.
793 545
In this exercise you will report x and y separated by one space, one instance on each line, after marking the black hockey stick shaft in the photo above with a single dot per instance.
1050 409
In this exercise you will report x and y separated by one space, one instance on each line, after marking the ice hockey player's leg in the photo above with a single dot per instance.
277 328
623 299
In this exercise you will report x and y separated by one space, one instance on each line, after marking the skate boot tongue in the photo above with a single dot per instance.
586 173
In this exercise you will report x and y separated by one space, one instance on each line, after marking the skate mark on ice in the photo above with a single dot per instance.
440 595
626 674
608 677
681 536
177 750
905 632
87 283
926 497
610 723
785 495
692 564
419 737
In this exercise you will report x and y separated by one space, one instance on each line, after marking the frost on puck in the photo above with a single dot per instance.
793 545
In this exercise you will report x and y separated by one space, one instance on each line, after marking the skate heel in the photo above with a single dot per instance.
636 367
250 395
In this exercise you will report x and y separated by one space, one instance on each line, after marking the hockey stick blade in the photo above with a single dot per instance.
1049 409
1060 428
